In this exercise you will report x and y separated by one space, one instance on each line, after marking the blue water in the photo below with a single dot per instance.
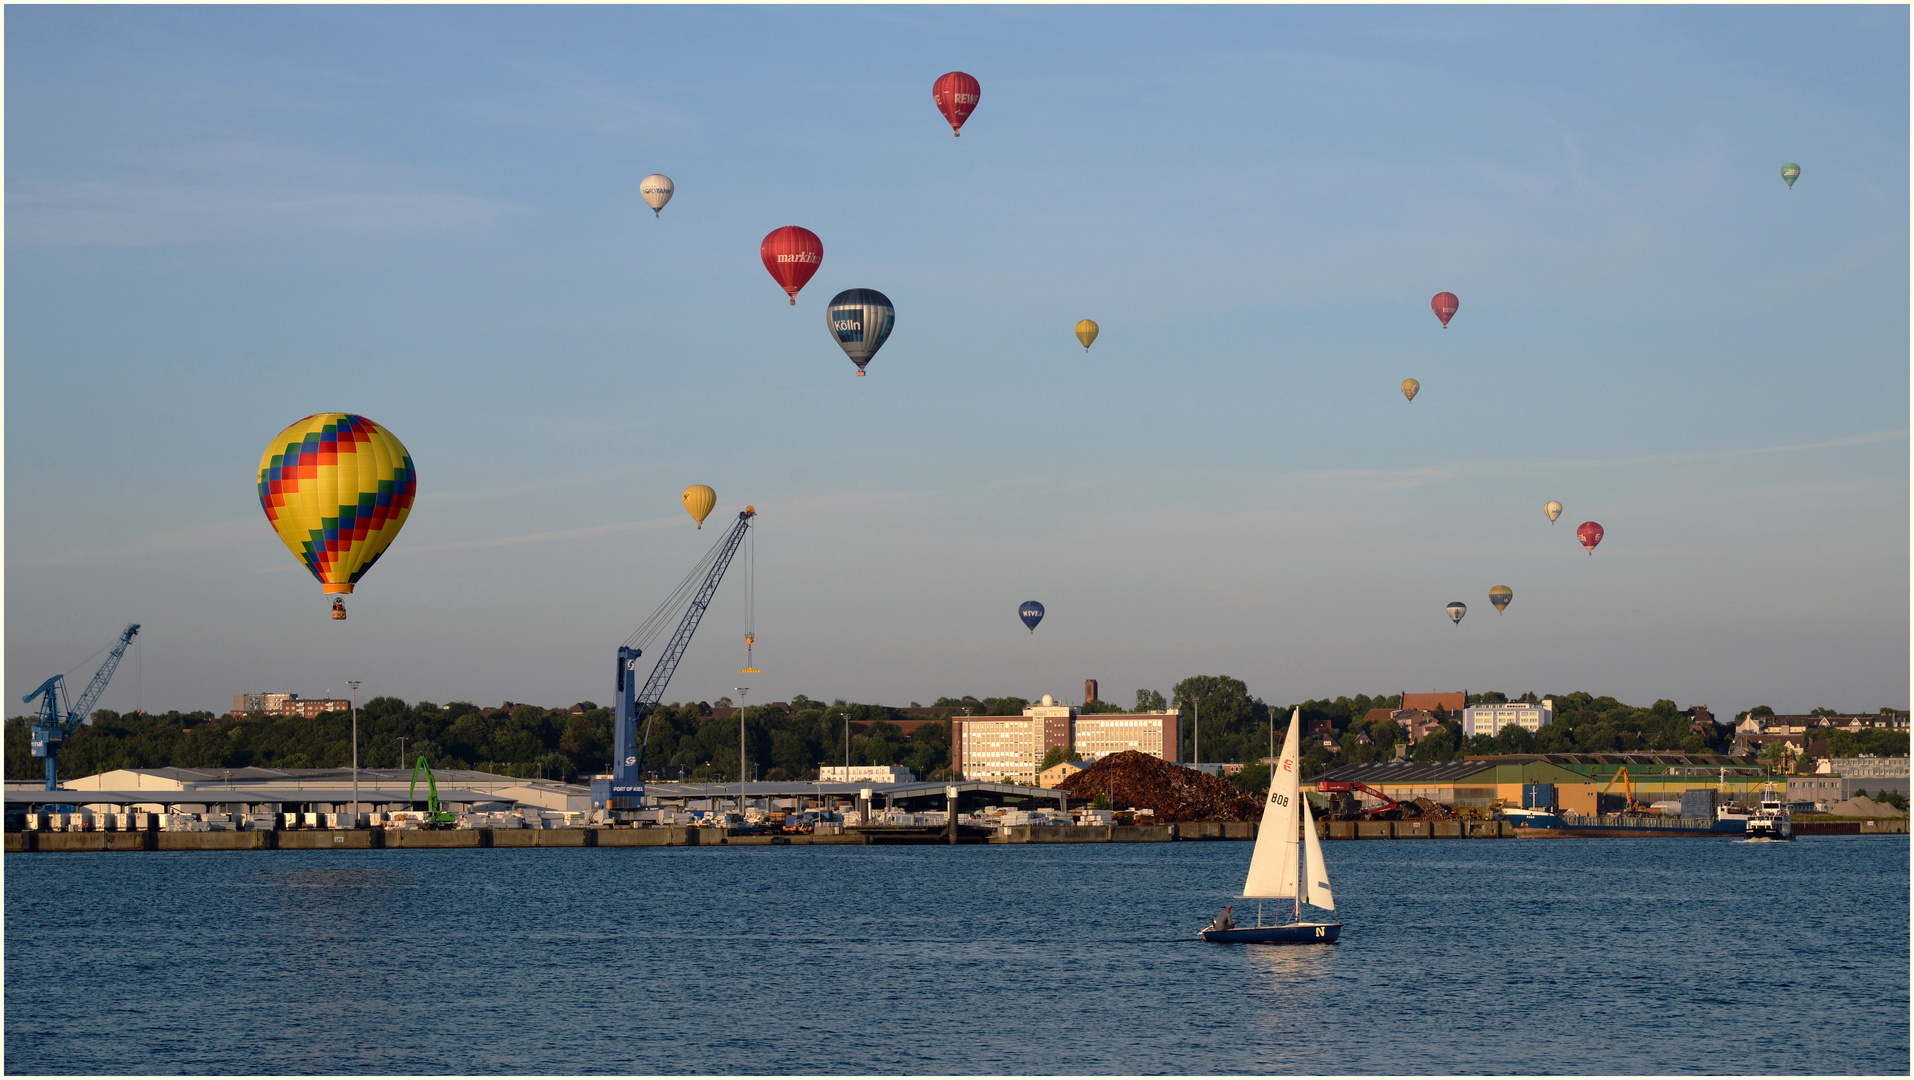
1569 956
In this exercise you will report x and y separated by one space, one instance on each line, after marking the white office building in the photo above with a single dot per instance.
865 774
1490 718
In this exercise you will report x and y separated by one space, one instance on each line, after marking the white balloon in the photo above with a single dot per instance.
656 190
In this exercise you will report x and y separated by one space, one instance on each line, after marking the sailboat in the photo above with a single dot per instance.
1284 866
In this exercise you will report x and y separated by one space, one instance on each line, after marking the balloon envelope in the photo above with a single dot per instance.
1456 611
1031 613
656 190
792 254
1086 333
1500 597
699 499
337 488
861 320
1790 172
1410 388
1553 509
1444 304
956 95
1590 534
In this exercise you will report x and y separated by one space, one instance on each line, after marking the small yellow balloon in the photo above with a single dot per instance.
1410 388
1553 509
699 500
1086 333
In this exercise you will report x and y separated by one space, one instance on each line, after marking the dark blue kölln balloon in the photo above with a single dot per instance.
1032 613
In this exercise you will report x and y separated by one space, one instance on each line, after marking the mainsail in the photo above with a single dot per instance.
1272 867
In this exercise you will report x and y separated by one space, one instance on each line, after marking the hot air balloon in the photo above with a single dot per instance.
337 489
1500 597
1553 509
955 94
1791 172
1031 613
1410 388
699 499
792 254
1457 609
1086 333
656 190
862 320
1590 534
1445 304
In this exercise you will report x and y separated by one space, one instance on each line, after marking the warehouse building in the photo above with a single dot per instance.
326 790
1578 780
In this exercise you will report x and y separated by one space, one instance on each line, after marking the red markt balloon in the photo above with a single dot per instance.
792 254
1444 305
955 94
1590 534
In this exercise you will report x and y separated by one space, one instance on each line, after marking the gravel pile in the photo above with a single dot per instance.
1135 780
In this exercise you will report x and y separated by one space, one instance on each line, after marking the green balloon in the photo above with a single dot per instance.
1790 172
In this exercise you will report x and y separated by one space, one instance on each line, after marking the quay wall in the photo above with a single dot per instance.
687 836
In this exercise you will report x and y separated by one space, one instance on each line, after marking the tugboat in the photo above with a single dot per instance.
1770 820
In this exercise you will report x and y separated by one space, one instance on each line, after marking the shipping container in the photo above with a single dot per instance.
1698 803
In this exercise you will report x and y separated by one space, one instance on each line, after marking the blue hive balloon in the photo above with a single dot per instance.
1032 613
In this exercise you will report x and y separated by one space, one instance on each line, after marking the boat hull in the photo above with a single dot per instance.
1617 826
1293 934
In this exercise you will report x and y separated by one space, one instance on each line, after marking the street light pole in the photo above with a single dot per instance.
742 691
354 683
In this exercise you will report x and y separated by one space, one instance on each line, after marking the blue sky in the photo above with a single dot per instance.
222 219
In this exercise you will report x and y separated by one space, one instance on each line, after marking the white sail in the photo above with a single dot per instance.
1316 887
1272 867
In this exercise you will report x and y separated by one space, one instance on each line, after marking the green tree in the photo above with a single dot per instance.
1437 745
1514 739
1149 701
1057 755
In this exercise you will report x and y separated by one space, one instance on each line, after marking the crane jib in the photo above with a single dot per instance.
55 721
626 787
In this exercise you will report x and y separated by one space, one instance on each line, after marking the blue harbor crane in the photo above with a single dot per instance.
56 722
626 788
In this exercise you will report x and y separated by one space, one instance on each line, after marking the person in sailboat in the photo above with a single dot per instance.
1223 921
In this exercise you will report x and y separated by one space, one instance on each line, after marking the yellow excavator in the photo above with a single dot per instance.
1628 789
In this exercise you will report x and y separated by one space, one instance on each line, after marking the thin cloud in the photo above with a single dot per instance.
212 192
211 534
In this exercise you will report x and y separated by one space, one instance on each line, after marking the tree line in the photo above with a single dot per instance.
689 740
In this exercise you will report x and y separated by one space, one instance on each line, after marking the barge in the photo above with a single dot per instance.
1548 825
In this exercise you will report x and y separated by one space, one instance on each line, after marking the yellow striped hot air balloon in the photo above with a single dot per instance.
337 488
1500 597
699 500
1086 333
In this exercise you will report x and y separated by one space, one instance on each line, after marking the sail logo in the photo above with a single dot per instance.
800 257
1321 931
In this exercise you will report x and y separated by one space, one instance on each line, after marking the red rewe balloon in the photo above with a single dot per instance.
792 254
1444 305
1590 534
955 94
